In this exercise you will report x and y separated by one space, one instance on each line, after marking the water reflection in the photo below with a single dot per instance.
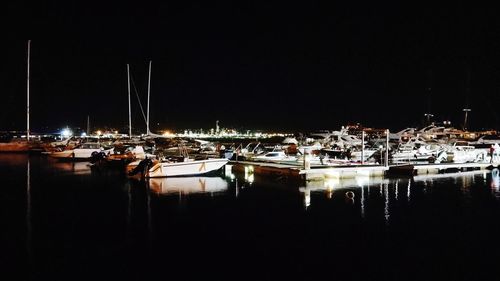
77 168
390 193
495 183
13 160
386 206
495 180
28 210
68 220
188 185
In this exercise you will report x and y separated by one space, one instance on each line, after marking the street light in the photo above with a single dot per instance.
429 116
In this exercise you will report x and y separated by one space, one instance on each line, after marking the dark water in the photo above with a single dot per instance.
60 221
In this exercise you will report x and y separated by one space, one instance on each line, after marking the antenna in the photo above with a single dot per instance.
429 115
88 125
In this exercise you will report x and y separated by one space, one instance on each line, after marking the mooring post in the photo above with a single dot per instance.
307 163
387 148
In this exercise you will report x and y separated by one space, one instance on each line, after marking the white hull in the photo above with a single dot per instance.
61 154
77 153
356 155
196 167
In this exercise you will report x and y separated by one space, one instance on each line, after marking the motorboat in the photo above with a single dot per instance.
274 156
174 167
416 150
15 146
458 153
82 152
488 139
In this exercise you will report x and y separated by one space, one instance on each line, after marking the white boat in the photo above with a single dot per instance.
416 150
488 139
170 169
402 135
84 151
274 156
465 154
188 185
357 154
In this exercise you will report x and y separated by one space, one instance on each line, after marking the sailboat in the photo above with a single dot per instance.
15 144
180 166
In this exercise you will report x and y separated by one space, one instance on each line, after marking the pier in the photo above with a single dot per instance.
319 173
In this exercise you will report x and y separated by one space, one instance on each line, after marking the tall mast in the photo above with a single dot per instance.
28 95
129 107
88 125
149 91
467 108
428 114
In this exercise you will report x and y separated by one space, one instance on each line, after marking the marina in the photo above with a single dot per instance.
250 141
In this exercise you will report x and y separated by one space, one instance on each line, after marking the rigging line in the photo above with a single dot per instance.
138 99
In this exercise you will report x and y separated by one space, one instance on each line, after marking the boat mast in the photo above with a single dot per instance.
467 108
149 91
429 115
129 107
28 95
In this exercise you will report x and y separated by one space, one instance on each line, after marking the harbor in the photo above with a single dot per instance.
250 141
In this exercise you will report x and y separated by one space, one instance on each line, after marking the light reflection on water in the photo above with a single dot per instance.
188 185
392 190
83 201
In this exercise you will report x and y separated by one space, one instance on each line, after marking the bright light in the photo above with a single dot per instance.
66 132
84 134
99 133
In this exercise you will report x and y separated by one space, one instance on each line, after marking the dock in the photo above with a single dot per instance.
318 173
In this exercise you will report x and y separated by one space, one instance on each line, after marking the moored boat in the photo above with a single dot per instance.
154 169
83 152
15 146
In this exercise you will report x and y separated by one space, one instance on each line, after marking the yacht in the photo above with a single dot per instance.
416 150
275 156
82 152
466 154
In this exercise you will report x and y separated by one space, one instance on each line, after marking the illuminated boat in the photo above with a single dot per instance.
84 151
274 156
15 146
165 168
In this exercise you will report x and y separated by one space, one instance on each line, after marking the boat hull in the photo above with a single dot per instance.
190 168
14 147
197 167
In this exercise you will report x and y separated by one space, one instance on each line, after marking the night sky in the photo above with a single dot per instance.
256 66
